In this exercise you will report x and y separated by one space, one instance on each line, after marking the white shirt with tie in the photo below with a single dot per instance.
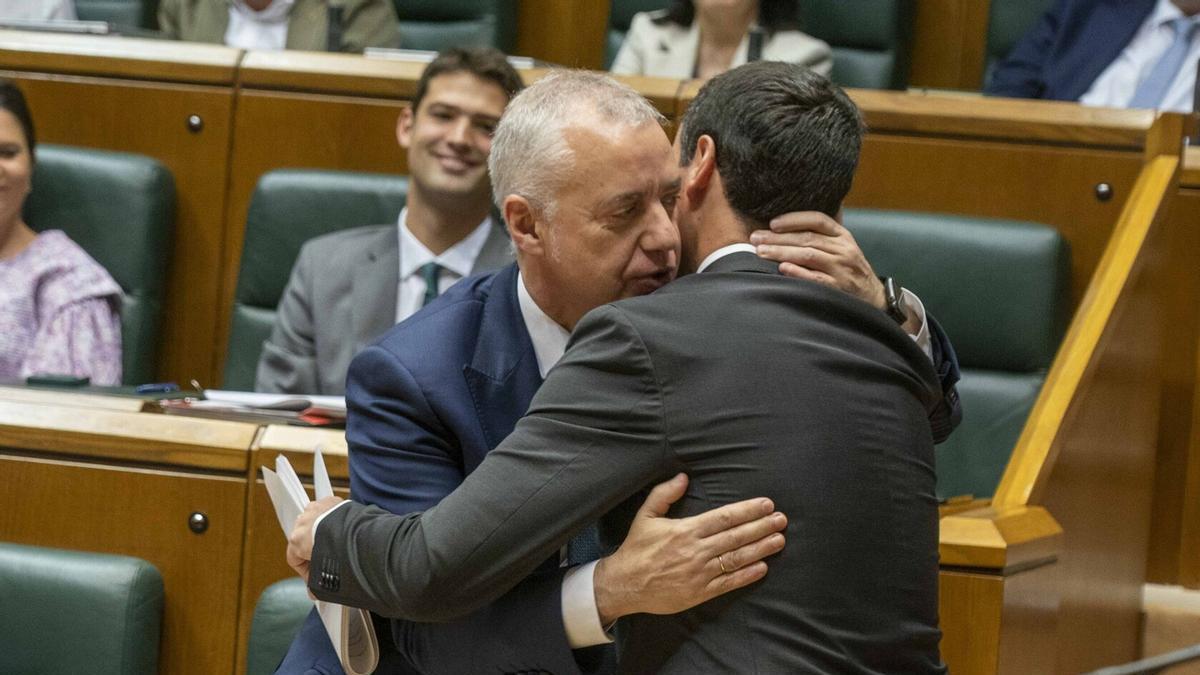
455 262
1115 86
253 29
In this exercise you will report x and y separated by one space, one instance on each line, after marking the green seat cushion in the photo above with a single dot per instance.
870 39
72 612
121 209
1000 288
278 615
435 25
125 13
288 208
995 407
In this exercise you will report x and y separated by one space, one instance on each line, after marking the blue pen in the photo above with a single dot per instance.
156 388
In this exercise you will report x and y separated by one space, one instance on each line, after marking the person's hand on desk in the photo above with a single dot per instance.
667 565
300 541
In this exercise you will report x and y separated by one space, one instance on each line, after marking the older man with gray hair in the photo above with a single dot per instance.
587 183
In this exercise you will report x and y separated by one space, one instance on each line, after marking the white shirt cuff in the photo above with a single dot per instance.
317 522
922 337
581 619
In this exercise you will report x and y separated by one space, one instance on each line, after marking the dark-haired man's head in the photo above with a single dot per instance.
771 138
447 134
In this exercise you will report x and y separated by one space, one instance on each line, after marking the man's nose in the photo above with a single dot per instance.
459 131
661 237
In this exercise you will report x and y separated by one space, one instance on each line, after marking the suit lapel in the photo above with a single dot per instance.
1109 26
373 294
308 25
503 373
496 251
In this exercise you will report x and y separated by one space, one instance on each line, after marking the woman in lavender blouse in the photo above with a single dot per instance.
58 306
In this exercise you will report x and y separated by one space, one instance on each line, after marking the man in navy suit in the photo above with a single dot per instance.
432 397
1115 53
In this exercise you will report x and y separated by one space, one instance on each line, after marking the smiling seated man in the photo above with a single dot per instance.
754 383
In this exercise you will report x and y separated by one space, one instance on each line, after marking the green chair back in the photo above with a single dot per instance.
72 612
278 615
121 209
1008 21
288 208
620 16
123 13
1001 290
870 39
437 24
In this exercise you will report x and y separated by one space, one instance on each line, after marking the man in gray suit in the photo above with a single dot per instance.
752 383
348 287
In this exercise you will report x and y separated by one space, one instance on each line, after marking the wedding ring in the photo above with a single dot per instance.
721 562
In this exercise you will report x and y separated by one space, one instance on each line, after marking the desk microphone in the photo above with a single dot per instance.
754 49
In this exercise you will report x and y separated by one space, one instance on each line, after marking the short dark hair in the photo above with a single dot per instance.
787 139
486 63
773 15
12 100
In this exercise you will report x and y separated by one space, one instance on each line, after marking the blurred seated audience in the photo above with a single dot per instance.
311 25
58 307
1121 54
37 10
704 38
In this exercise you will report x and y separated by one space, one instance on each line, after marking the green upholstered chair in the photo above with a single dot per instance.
124 13
72 612
620 16
278 615
437 24
288 208
121 209
1008 21
870 39
1001 290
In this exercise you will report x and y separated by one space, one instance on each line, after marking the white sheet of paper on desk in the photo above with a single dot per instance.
349 628
253 399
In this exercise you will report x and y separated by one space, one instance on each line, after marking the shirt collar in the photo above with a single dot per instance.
549 339
273 13
724 251
1166 11
459 258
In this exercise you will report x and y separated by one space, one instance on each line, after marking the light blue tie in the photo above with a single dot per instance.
1151 92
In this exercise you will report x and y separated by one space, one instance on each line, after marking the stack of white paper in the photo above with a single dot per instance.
349 628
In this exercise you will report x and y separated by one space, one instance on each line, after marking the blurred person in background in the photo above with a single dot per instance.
311 25
58 307
37 10
704 38
1111 53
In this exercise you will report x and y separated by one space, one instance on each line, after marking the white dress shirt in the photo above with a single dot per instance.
250 29
37 10
910 299
1116 85
456 262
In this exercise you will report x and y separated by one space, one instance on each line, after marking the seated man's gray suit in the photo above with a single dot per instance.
341 296
755 385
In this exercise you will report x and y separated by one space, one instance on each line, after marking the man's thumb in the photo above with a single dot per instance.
663 496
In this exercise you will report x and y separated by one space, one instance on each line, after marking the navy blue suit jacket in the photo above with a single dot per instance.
427 402
1068 48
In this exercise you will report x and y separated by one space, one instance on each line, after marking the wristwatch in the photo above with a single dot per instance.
893 295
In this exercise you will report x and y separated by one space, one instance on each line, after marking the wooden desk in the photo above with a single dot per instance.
263 561
120 482
136 96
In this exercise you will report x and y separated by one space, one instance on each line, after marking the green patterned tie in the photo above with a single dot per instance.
430 272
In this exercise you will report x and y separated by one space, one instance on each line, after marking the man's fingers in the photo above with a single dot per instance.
803 256
805 220
762 239
660 499
788 269
724 583
731 516
746 533
746 555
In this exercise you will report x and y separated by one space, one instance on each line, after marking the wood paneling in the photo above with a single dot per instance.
143 513
158 60
151 119
949 41
72 399
566 32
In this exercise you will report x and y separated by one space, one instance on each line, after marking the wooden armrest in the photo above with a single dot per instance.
1004 538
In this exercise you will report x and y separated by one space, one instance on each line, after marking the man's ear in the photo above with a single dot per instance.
698 177
522 218
404 125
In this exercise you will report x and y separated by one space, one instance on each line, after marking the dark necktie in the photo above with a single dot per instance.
430 272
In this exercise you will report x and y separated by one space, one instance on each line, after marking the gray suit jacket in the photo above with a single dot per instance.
753 384
342 296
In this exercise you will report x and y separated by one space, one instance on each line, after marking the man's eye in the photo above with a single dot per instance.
669 201
488 129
